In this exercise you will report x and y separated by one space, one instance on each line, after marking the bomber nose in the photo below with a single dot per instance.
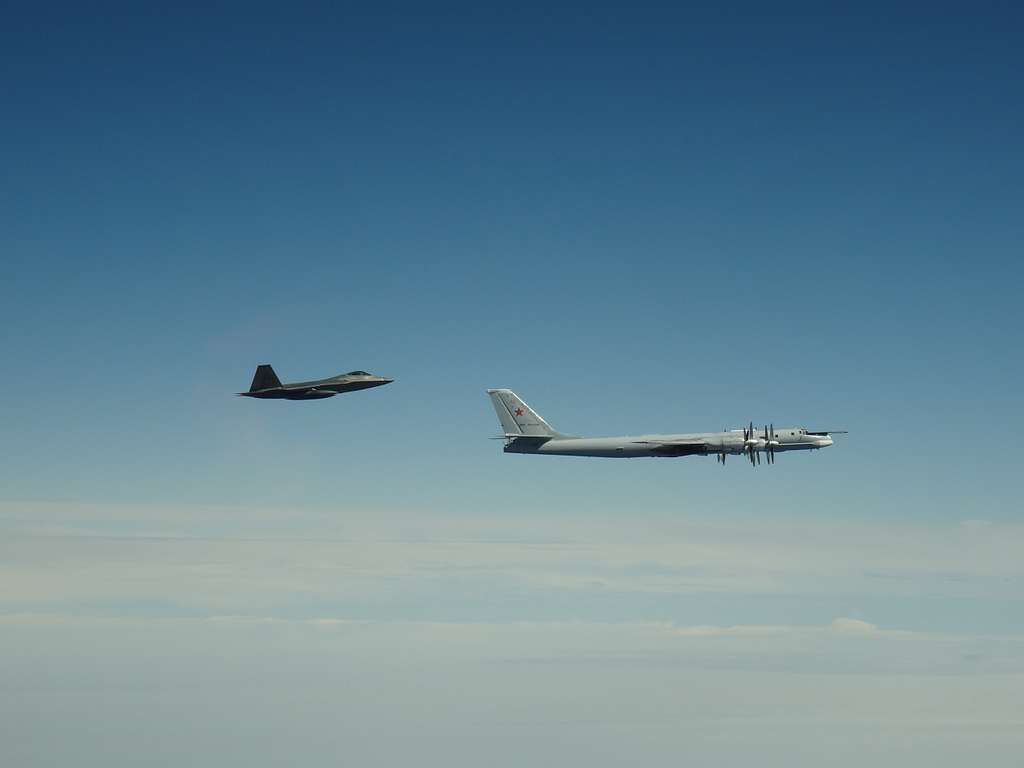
824 441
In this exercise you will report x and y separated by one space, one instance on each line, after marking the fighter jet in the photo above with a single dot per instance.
266 385
526 432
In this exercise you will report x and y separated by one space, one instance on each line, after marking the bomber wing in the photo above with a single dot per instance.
677 447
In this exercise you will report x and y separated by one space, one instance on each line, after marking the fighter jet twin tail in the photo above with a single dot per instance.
526 432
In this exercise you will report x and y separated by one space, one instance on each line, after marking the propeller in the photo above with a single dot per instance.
769 443
750 445
754 444
772 443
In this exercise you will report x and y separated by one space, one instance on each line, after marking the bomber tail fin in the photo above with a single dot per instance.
516 417
265 378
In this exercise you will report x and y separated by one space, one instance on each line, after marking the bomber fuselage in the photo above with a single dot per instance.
685 444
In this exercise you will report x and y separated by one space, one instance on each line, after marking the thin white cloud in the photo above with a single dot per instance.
706 630
840 625
853 627
230 561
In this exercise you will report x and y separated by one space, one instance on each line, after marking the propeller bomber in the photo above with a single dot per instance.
526 432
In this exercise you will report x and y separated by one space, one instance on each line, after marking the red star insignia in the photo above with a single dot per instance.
519 411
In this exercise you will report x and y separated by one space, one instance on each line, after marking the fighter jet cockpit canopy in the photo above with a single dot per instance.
357 373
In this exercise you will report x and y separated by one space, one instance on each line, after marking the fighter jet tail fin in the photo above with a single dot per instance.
516 417
265 378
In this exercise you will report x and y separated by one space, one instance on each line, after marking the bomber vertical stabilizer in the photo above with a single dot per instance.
516 417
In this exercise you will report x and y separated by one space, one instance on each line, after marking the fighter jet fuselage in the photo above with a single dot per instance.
266 385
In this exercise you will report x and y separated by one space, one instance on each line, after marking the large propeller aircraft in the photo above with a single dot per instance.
526 432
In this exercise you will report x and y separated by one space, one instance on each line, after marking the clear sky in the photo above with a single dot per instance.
641 218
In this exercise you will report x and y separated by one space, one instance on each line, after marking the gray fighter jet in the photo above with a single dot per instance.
266 385
527 432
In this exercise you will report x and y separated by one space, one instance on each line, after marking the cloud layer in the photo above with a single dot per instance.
213 636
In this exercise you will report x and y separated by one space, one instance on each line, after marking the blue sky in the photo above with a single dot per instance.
641 218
